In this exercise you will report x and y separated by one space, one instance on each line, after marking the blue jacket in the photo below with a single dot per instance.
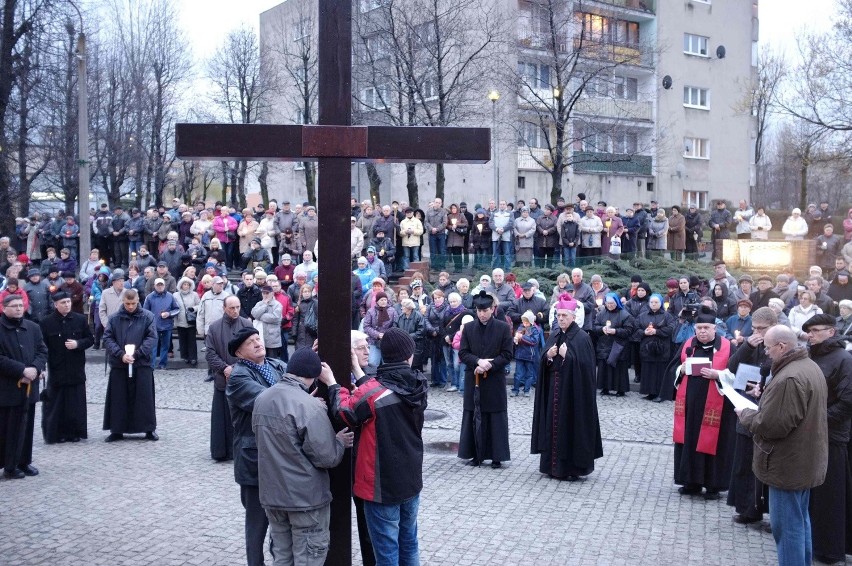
528 348
158 303
736 323
366 276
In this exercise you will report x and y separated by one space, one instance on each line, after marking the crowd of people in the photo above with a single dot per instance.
171 273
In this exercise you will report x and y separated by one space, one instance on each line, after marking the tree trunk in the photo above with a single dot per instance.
411 185
224 182
241 183
439 181
375 181
262 180
310 179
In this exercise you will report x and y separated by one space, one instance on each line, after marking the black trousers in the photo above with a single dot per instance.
120 252
188 345
256 525
14 422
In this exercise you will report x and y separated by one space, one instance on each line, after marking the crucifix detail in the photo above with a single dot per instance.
334 143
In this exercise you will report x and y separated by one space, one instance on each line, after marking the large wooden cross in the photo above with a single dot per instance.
334 143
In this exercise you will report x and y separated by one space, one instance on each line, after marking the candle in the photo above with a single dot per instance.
480 226
608 323
599 301
737 334
650 325
130 349
453 221
666 305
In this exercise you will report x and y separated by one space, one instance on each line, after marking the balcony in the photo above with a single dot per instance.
639 10
526 161
589 162
638 110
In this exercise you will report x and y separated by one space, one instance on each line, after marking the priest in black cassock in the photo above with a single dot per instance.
486 350
704 421
129 406
565 428
67 336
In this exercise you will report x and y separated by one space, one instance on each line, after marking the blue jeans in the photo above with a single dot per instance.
439 365
524 375
438 247
460 370
134 247
161 352
409 254
791 525
375 355
502 255
569 255
393 531
451 366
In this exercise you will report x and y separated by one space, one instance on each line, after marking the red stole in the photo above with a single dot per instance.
708 437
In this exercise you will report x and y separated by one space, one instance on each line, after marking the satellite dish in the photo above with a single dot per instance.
720 52
667 82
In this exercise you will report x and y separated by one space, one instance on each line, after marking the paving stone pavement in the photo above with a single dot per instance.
168 503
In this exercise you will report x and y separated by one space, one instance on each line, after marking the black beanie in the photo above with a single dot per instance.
304 362
396 346
241 336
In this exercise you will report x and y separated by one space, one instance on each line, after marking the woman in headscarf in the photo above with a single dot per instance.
653 333
726 305
635 306
613 328
434 332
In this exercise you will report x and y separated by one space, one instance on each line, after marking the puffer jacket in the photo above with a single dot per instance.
296 444
270 314
189 301
590 231
790 427
412 240
371 324
836 365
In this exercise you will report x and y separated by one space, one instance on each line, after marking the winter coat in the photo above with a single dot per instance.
724 220
795 228
436 219
109 305
210 309
525 229
656 347
21 346
658 234
410 240
308 232
365 223
590 231
457 234
546 234
790 427
66 367
760 227
569 234
372 327
222 226
158 303
388 225
188 302
622 322
480 234
303 338
296 443
799 315
217 356
244 387
415 325
130 328
270 315
501 219
677 232
694 225
836 365
41 304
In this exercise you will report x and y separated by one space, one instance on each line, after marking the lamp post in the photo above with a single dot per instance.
83 144
494 96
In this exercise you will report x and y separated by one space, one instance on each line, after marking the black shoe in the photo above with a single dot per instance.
712 495
74 439
473 462
15 474
637 379
649 397
113 437
604 393
741 519
689 490
572 478
657 400
60 440
208 379
29 470
193 363
496 464
620 394
152 436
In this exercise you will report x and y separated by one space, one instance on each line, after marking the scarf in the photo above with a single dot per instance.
382 316
264 370
708 436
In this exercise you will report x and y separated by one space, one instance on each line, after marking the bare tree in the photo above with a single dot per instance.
574 104
771 71
295 65
242 89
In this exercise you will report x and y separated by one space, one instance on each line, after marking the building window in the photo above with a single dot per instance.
698 199
522 182
626 88
530 135
607 30
695 97
696 148
625 142
375 98
695 44
368 5
430 89
534 76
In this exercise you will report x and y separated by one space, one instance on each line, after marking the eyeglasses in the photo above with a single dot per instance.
813 329
759 328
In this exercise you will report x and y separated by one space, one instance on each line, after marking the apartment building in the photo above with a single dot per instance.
657 91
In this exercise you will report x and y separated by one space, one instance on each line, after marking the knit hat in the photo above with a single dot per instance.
636 279
241 336
68 275
381 295
529 317
671 283
396 346
466 318
304 362
118 274
33 272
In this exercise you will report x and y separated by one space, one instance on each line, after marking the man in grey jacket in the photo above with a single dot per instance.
436 227
296 445
790 431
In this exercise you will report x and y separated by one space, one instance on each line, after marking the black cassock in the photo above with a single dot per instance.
490 340
565 428
63 412
129 406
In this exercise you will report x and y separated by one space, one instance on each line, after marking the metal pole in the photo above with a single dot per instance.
495 161
83 149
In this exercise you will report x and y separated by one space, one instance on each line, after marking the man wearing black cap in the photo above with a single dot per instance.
720 223
23 357
161 273
528 301
252 374
828 503
296 445
129 406
389 468
102 229
120 245
704 424
469 216
486 350
74 290
67 336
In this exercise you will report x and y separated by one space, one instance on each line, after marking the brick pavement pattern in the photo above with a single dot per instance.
167 503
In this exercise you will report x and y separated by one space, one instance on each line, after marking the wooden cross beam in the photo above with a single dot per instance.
334 143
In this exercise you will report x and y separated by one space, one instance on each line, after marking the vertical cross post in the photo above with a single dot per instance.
334 178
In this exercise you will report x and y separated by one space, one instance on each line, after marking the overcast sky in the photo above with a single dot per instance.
207 21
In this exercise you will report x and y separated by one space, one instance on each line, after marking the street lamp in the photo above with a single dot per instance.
494 96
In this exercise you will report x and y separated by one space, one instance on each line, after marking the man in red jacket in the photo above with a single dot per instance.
389 409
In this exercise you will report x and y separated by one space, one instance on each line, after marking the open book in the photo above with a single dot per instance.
738 401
